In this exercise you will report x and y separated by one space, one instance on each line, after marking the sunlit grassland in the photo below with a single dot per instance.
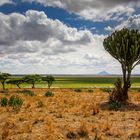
80 82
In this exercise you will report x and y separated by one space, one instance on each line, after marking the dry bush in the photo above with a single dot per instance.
83 131
5 131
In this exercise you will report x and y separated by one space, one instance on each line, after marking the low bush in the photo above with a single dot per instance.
90 90
49 94
78 90
27 92
108 90
71 135
83 131
138 89
15 102
115 105
40 104
5 91
117 93
18 91
4 101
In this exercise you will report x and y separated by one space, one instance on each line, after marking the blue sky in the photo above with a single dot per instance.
70 19
60 36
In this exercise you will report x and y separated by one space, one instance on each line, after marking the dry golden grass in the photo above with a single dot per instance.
81 115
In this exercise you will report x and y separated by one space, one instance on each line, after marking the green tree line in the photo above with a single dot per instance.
6 78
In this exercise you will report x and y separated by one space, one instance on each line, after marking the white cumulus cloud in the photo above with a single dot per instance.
2 2
96 10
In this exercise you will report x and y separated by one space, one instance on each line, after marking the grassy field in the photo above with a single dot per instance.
80 82
86 82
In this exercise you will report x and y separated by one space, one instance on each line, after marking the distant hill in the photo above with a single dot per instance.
103 73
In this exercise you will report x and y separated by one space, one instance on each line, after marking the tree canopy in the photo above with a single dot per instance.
3 78
49 79
32 79
16 82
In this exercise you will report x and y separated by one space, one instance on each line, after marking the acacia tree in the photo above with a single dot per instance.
16 82
49 79
124 45
32 79
3 78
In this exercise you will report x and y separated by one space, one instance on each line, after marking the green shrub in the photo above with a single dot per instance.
78 90
90 90
49 94
115 105
138 89
5 91
15 102
18 91
4 101
27 92
40 104
108 90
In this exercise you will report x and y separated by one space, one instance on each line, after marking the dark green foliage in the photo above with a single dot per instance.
49 79
15 102
108 90
116 96
3 78
115 105
90 90
18 91
138 90
16 82
49 94
27 92
78 90
124 46
4 101
32 79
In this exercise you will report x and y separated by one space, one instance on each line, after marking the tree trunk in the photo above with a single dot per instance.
49 85
33 85
126 86
18 86
125 93
3 85
124 74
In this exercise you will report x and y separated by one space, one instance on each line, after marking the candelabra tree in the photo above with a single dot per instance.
124 46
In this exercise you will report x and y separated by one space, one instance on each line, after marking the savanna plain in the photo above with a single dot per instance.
71 112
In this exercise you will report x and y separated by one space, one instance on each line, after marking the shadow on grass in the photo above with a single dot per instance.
125 107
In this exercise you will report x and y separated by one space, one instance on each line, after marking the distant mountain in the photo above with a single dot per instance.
103 73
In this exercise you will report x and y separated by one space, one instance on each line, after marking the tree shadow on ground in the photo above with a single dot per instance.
125 107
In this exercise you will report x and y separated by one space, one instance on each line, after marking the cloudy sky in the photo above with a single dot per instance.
62 36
